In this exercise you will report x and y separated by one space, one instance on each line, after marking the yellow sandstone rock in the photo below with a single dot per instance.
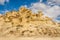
25 23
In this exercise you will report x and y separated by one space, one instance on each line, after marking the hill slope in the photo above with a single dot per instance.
25 23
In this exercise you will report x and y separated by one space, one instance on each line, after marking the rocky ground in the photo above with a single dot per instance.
24 23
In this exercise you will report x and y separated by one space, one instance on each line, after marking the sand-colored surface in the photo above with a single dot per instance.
31 38
25 25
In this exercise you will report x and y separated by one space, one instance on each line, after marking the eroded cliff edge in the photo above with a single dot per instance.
25 23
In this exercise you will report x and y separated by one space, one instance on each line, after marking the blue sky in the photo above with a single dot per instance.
15 4
50 8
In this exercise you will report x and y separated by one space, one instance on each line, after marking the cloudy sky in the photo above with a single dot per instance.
50 8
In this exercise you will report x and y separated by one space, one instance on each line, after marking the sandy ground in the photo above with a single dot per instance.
29 38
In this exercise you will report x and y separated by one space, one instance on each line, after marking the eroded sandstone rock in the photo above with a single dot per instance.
26 23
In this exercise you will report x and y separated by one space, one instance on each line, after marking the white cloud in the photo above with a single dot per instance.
54 1
3 1
38 6
4 11
48 10
41 0
53 12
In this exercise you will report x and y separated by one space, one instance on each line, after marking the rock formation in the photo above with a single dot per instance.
25 23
